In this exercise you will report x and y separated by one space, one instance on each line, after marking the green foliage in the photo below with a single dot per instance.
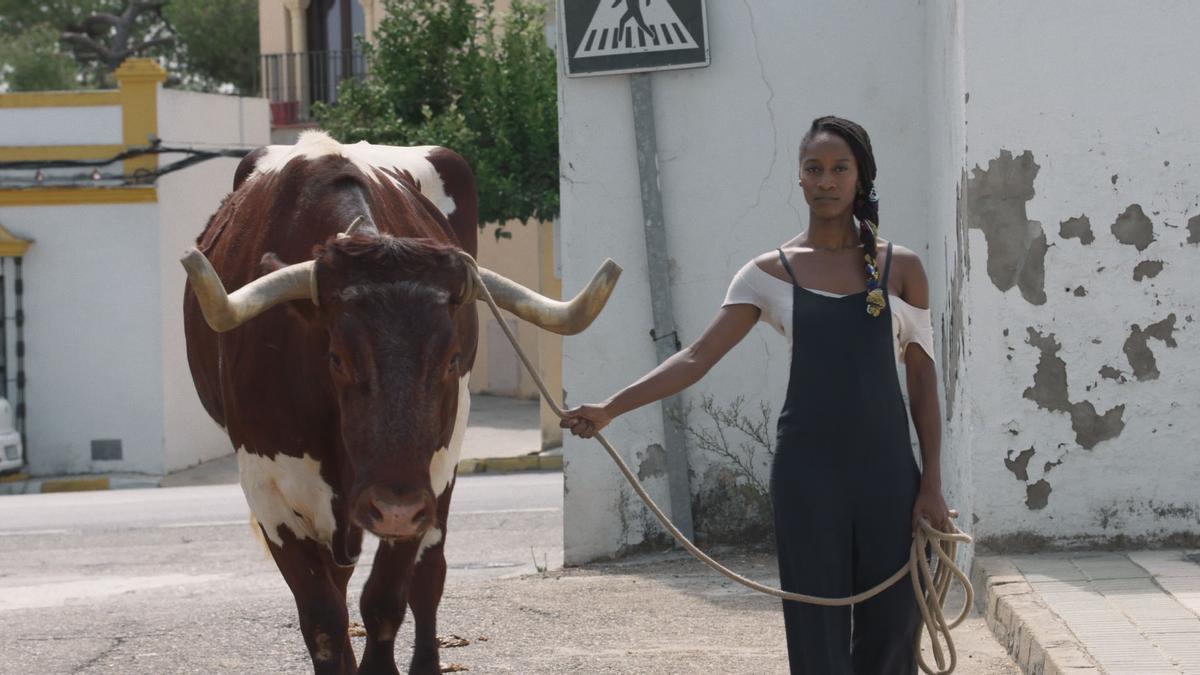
32 61
443 72
217 43
216 47
18 16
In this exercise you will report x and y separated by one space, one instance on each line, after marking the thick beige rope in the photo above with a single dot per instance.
944 545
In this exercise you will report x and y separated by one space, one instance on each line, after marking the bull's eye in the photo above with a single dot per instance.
452 368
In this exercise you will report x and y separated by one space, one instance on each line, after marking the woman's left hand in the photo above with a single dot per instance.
932 507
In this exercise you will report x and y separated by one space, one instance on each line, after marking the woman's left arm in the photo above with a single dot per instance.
923 402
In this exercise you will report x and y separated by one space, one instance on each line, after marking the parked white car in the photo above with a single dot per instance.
12 455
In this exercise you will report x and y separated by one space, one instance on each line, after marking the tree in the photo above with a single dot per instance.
208 45
33 62
218 44
108 38
442 72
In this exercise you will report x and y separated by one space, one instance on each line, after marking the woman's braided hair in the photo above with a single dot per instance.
866 203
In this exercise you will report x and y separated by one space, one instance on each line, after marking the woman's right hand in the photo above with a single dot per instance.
586 420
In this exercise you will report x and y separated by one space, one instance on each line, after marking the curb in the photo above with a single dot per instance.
79 484
511 464
23 484
1035 637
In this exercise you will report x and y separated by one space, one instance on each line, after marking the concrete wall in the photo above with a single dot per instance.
727 141
1050 190
1081 200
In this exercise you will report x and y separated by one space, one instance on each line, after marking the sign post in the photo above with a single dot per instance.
607 37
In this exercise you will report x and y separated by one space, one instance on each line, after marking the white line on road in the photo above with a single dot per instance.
31 533
208 523
548 509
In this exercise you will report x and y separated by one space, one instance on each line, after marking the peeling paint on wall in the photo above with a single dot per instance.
653 463
1147 269
953 330
1193 228
1037 495
1077 228
996 199
1133 228
1080 291
1049 391
1137 346
1019 466
1110 373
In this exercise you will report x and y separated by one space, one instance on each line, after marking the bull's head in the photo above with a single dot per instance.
393 309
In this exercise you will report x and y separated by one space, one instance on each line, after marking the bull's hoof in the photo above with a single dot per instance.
425 663
375 664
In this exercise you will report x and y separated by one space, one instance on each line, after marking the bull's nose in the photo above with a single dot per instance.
394 515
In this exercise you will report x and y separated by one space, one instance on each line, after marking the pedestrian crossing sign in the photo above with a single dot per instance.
604 37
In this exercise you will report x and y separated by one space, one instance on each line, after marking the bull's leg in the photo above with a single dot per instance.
319 587
424 595
383 604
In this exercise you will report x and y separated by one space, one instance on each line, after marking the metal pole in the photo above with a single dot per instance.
665 337
3 328
19 291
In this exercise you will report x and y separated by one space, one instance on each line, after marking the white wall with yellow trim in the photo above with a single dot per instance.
103 287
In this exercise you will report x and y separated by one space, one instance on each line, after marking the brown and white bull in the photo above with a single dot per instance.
348 404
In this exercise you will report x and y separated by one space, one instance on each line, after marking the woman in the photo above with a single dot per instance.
847 493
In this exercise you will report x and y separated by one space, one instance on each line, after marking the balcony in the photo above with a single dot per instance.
294 81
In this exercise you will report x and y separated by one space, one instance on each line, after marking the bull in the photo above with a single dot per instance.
340 368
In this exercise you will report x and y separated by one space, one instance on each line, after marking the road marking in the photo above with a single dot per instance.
206 523
550 509
31 533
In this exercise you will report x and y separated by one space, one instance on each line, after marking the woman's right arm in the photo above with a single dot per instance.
683 369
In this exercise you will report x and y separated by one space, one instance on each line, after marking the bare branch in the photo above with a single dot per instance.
88 44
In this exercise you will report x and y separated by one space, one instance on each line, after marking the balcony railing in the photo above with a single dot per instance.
296 80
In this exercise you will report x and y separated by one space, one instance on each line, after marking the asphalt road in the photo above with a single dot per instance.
172 581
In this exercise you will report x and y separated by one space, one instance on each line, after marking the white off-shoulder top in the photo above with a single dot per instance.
753 285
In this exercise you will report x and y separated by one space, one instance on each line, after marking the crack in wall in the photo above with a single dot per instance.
762 70
996 199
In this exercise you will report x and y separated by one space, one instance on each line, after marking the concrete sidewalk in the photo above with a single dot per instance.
503 434
1095 612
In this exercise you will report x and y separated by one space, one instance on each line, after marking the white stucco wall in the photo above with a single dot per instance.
82 125
976 138
1107 128
105 353
727 140
186 201
92 334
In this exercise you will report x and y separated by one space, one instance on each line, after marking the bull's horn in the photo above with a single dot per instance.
225 312
564 318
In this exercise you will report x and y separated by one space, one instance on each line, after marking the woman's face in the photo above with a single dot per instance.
829 175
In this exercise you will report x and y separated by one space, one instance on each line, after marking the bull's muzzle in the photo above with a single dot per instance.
394 515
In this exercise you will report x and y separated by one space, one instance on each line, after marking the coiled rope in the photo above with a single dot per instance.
931 600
